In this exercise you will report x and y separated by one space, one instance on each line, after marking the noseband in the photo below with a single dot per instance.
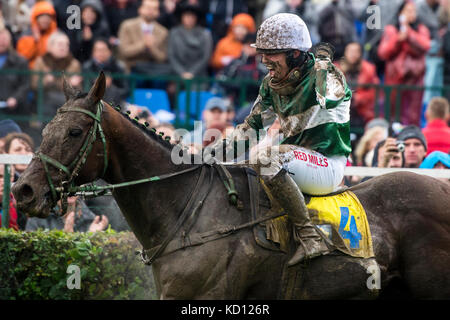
74 168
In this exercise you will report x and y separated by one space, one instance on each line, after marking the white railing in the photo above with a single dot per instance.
10 159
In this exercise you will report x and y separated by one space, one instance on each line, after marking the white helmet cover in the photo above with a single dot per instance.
283 31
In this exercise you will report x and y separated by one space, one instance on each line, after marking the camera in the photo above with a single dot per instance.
400 145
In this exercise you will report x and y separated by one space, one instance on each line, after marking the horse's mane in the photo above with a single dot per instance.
144 127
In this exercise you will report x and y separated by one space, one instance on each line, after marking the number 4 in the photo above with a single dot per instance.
353 235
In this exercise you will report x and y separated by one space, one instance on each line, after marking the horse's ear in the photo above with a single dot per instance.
69 91
98 89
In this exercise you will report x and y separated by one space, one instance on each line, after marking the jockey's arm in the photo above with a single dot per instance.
249 133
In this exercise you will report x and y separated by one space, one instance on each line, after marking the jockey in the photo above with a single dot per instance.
311 99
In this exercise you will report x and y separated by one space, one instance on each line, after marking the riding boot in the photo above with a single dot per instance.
311 243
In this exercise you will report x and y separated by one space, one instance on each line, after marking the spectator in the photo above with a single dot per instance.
245 67
64 15
377 122
403 47
107 205
365 147
102 59
337 25
359 71
428 13
17 15
43 25
437 160
13 217
15 86
385 155
93 26
167 15
437 131
388 155
190 45
7 126
118 11
372 36
143 41
58 58
222 13
78 219
445 17
214 123
21 144
415 145
305 9
230 47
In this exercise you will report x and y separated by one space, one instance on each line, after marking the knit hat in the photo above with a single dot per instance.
411 132
8 126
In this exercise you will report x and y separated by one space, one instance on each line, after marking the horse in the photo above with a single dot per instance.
89 139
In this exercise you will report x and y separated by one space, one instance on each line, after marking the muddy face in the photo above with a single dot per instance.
276 64
62 139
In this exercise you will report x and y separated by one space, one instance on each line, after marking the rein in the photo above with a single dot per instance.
74 168
188 215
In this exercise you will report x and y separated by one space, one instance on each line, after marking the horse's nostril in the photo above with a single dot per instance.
26 192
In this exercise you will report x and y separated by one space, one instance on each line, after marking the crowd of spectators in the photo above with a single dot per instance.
402 42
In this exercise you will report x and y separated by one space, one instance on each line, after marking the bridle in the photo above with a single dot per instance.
190 210
74 168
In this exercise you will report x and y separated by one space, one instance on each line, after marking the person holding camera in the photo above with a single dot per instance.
390 153
415 146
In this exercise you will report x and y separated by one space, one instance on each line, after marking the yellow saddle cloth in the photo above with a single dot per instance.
340 217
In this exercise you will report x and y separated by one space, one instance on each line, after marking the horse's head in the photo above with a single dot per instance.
72 151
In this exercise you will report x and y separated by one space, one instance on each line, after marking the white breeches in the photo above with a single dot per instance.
314 173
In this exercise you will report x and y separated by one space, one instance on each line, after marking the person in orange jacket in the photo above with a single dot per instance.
43 24
230 46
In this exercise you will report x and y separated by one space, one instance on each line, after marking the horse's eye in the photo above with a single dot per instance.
75 132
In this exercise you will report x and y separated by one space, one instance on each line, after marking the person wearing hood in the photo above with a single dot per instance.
230 47
437 160
102 59
43 25
93 26
190 45
57 59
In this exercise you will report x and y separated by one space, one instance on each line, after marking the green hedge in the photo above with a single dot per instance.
34 265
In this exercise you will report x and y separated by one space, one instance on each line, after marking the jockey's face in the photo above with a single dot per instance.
276 63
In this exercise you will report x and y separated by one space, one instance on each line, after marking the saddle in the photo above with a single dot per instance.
339 216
